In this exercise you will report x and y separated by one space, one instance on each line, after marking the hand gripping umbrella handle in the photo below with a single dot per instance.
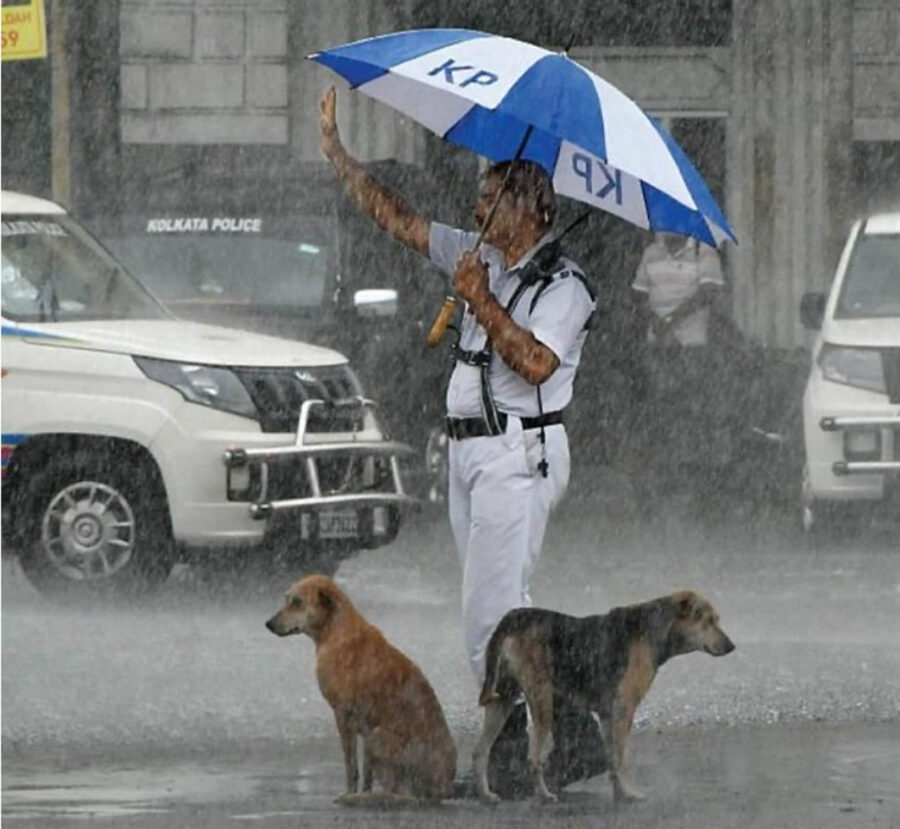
445 315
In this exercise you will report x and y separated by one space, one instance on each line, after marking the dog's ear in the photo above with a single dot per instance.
684 601
326 600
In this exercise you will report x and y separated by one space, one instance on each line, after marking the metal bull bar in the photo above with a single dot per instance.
262 457
873 423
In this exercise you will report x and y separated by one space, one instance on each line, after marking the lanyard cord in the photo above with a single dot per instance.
488 405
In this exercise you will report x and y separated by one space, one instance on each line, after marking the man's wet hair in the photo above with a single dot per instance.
528 181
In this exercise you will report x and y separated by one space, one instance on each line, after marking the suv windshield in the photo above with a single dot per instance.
872 285
54 270
193 264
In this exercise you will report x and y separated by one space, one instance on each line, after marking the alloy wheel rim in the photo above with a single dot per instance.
88 531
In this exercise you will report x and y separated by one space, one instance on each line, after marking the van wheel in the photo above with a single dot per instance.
94 526
831 525
827 523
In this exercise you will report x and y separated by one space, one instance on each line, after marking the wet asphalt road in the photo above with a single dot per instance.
187 712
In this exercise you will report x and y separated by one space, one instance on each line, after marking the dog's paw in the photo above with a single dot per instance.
546 798
488 797
626 793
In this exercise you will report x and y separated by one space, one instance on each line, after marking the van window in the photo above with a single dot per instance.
872 285
252 262
53 270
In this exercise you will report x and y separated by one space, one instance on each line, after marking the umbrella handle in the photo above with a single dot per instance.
445 315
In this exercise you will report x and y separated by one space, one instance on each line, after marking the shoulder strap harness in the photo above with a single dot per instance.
544 267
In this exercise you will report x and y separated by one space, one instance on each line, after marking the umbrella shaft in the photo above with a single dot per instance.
502 190
445 315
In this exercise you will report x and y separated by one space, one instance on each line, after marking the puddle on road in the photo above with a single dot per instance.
825 771
128 792
878 765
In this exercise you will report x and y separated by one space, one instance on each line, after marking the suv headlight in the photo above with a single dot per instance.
859 367
218 388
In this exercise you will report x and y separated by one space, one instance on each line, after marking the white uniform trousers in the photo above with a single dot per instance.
499 505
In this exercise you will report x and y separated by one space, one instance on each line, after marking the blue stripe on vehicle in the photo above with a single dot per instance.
366 60
695 184
668 214
555 95
497 136
11 440
15 331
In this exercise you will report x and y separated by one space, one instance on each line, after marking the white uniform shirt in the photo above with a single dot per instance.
557 321
670 279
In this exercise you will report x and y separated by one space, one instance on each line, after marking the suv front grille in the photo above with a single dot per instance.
278 394
337 476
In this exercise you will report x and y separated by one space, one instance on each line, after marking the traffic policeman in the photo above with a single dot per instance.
521 341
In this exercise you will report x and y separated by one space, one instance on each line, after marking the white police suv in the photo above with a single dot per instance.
131 437
851 407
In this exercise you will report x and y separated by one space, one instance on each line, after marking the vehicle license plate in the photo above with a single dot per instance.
337 524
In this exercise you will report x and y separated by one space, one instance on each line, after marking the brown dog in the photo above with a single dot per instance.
604 663
376 692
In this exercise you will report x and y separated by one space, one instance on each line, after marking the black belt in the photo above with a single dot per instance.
472 358
460 428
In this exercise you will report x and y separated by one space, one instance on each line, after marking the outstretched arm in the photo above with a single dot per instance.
385 207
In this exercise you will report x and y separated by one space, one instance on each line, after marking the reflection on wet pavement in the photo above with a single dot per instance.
99 792
820 775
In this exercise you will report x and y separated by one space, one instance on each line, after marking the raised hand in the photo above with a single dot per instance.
329 139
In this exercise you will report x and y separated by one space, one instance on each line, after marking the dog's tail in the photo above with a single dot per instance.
489 692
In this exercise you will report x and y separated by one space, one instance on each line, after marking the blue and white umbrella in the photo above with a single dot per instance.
484 92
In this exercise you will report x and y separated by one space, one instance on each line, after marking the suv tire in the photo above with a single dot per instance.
94 525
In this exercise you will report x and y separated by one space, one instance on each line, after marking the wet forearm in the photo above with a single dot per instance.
387 208
517 347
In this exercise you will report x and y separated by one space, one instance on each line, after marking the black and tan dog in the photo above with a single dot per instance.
377 693
604 663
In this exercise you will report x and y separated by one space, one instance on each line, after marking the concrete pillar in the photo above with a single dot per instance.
789 144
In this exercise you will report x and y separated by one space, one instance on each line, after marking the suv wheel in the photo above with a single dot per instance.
91 526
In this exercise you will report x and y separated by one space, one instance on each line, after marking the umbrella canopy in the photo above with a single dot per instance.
484 92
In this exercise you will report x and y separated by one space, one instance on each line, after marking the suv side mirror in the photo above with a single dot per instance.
812 310
375 302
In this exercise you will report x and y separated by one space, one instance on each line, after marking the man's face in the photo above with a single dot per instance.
506 216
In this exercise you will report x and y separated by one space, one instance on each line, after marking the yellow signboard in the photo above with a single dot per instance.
24 32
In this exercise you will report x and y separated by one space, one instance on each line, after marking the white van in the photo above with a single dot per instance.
131 437
851 407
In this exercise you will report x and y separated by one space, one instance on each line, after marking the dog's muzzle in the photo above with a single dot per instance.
724 647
